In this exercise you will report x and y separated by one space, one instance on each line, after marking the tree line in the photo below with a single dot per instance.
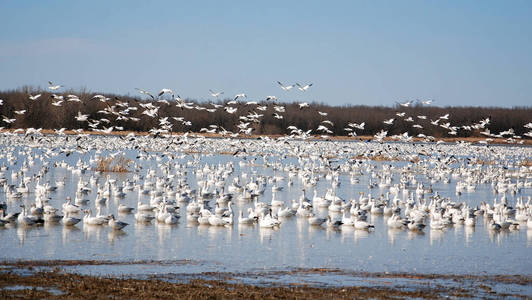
40 113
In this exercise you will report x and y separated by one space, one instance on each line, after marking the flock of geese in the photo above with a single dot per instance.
170 179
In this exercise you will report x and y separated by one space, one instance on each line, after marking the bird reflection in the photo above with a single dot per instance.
22 232
92 232
330 231
412 234
393 233
360 234
468 233
67 232
115 235
163 232
347 231
51 226
301 224
265 234
203 230
436 235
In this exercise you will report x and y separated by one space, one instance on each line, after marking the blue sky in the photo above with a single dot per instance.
355 52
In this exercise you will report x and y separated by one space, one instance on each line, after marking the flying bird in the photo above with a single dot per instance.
388 122
303 105
303 88
81 118
35 97
405 104
54 87
163 91
286 88
214 94
7 120
242 95
145 93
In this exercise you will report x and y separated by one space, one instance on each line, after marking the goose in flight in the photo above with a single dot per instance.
242 95
303 88
445 117
405 104
324 129
163 91
303 105
322 113
151 112
57 103
427 102
435 123
358 126
7 120
388 122
20 112
214 94
286 88
145 93
54 87
60 131
102 98
73 98
35 97
279 108
277 116
230 110
81 118
272 98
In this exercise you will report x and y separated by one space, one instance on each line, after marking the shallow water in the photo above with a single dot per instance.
237 248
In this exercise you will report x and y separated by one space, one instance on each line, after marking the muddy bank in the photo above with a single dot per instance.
55 284
49 279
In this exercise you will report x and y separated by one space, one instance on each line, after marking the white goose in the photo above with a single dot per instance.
116 224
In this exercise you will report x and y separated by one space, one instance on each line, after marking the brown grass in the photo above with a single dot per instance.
526 163
379 157
117 164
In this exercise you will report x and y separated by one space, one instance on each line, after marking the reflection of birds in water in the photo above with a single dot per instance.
67 233
115 235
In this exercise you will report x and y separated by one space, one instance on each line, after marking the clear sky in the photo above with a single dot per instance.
354 52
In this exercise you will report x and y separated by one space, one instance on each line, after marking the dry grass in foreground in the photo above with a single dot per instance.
58 285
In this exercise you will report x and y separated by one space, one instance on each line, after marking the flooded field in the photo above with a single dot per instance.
448 209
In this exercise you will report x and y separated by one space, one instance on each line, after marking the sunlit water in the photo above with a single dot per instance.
237 248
